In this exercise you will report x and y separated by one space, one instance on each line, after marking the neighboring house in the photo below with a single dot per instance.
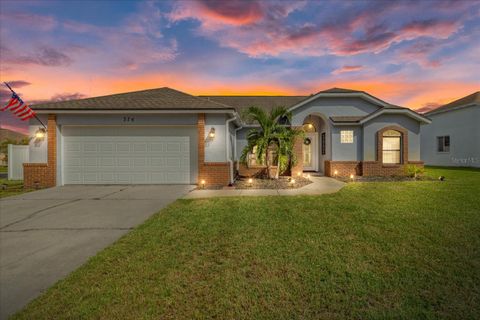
167 136
453 137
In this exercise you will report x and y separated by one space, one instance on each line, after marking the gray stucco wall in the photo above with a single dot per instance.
241 141
347 151
371 128
215 148
37 148
333 107
463 127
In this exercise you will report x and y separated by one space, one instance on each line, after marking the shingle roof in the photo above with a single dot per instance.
351 119
242 103
340 90
473 98
153 99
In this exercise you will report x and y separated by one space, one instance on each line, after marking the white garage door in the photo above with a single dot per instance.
119 155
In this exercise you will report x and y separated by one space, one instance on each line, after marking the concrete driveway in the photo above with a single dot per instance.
45 235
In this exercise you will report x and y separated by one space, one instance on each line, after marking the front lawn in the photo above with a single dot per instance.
11 188
373 250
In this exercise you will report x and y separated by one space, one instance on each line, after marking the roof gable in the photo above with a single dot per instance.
153 99
472 99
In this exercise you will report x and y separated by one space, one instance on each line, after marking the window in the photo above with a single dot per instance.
443 144
346 136
323 143
392 147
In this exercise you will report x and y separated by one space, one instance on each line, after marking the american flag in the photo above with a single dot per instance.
19 108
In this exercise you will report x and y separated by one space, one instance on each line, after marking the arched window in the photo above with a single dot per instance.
392 147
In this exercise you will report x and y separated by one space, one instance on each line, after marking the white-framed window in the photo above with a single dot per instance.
346 136
443 144
392 147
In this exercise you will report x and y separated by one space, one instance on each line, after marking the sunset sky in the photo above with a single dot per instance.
414 53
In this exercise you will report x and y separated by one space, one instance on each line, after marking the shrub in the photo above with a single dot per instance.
414 171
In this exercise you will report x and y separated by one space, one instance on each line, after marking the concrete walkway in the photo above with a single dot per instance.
46 234
319 185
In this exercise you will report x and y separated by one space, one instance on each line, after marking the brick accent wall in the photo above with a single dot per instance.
298 150
35 175
377 167
214 173
44 174
343 168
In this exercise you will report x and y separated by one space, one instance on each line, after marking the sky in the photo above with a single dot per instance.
417 54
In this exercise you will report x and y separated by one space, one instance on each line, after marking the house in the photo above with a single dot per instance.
169 137
453 137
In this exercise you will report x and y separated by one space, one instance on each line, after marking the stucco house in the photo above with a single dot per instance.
167 136
453 137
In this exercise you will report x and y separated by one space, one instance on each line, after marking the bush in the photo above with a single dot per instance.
413 171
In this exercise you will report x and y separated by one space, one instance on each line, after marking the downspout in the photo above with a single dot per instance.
227 144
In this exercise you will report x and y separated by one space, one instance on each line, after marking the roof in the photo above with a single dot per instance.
153 99
471 99
242 103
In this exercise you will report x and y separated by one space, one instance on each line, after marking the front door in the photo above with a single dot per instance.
310 162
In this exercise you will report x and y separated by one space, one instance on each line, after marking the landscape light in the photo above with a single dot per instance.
352 176
202 183
308 176
299 173
250 181
335 173
292 181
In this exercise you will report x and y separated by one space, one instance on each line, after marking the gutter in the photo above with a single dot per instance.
227 145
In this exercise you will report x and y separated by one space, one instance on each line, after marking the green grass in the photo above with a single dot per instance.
3 169
381 250
13 187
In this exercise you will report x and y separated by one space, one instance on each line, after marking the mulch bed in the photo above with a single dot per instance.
385 179
281 183
262 183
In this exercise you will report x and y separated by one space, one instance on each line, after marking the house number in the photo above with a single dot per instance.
128 119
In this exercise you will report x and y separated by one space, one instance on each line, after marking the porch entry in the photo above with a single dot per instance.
310 152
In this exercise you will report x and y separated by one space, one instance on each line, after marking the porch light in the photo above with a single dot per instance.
211 133
40 134
310 126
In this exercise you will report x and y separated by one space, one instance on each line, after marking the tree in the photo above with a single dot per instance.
271 136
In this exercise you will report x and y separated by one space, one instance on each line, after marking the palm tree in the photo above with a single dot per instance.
285 140
272 135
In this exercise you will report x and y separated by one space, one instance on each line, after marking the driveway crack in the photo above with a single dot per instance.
37 212
69 229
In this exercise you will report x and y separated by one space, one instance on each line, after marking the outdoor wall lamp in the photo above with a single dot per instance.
40 134
211 133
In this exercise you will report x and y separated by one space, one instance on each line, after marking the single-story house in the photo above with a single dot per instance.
164 136
453 137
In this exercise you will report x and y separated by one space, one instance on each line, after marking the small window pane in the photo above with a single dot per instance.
346 136
323 143
443 144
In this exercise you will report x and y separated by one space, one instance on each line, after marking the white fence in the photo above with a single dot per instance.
17 155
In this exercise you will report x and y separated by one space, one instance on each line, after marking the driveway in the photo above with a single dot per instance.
45 235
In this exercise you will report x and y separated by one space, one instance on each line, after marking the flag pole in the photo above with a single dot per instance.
35 115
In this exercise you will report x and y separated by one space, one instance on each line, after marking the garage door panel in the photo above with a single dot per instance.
123 159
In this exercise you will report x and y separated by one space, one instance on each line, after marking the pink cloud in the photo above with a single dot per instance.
347 68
